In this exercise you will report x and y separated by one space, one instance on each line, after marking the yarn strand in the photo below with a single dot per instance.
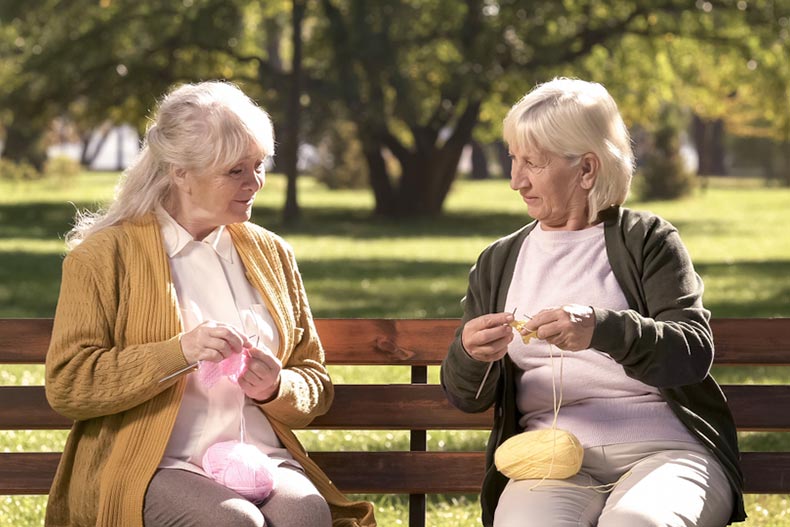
556 407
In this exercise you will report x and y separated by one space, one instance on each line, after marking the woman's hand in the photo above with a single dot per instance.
569 327
211 341
485 338
261 381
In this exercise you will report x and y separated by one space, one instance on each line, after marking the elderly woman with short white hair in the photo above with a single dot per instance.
586 331
183 344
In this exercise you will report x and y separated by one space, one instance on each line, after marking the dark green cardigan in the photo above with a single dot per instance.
663 340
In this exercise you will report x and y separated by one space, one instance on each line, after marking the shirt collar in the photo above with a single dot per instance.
176 237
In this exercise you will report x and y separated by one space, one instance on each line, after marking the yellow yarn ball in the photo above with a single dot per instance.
539 454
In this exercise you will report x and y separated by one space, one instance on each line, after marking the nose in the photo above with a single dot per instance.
256 180
518 176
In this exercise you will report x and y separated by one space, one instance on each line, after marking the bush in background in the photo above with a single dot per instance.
341 161
62 167
664 174
18 171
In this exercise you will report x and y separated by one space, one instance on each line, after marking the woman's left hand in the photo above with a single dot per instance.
569 327
261 381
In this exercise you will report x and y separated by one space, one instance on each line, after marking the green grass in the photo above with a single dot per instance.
355 265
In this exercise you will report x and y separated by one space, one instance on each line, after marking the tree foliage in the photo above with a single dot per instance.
415 77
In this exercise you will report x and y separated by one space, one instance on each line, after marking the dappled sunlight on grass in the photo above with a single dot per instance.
22 511
22 375
32 440
756 441
752 375
767 511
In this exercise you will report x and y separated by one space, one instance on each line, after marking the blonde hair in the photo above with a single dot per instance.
197 127
569 118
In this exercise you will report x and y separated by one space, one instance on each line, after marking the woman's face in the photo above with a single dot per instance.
219 197
553 188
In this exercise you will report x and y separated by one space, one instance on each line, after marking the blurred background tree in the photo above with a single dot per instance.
395 91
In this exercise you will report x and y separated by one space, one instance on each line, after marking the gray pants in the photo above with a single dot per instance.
668 484
178 498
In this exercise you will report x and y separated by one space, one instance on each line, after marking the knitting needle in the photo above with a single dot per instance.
485 377
179 372
190 367
491 365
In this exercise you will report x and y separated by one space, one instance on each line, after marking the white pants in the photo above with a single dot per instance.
668 484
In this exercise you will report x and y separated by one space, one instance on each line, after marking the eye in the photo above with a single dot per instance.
236 171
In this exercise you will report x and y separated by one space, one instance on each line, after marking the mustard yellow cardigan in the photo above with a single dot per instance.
116 334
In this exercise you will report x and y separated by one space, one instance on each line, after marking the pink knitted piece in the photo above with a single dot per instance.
233 367
241 467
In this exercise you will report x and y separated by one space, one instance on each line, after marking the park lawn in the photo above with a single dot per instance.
358 266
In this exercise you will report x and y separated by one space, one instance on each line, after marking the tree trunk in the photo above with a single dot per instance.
503 158
708 139
119 152
88 155
379 178
479 162
428 171
426 190
291 212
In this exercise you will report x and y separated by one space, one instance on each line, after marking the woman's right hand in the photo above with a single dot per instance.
485 338
211 341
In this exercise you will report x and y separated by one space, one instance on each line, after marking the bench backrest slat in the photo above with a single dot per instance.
403 407
739 341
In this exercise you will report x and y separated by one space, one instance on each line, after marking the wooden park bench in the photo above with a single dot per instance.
416 407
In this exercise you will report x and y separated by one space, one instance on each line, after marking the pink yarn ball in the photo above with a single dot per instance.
241 467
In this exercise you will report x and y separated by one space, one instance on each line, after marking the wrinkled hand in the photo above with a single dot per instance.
485 338
261 381
569 327
211 341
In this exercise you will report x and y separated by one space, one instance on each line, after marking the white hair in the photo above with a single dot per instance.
569 118
198 127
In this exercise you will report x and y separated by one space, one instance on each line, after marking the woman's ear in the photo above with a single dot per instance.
180 178
589 170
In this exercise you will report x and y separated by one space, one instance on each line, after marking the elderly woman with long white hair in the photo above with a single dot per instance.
586 331
183 344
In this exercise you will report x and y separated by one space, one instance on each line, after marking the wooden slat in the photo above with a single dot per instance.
404 472
386 341
405 407
739 341
766 472
27 473
26 408
389 472
752 341
356 472
397 407
24 340
760 407
364 407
